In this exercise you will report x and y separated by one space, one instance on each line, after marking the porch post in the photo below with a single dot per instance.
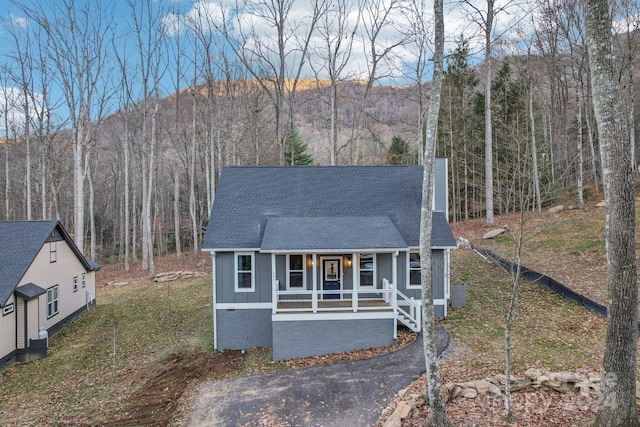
314 295
274 286
394 272
356 282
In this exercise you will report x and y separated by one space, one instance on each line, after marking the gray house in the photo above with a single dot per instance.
45 282
316 260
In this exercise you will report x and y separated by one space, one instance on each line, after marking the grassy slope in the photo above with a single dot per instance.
81 378
550 331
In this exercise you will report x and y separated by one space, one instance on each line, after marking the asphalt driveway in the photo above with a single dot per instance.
343 394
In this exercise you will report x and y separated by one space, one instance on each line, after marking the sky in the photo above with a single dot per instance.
177 14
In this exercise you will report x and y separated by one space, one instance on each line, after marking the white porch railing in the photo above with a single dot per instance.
387 298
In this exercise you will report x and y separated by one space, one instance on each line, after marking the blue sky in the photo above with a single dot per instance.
177 12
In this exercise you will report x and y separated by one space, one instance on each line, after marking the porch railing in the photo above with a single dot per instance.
363 299
408 310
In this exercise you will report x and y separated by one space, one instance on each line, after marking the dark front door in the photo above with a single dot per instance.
331 277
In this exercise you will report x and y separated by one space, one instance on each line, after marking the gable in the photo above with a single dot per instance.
249 201
20 244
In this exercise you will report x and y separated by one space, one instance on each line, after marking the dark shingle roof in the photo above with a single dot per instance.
30 291
326 233
249 199
20 242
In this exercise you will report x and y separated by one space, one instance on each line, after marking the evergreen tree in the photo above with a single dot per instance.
296 149
398 153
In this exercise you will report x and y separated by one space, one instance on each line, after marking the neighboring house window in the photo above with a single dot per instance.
53 251
367 269
84 280
52 301
415 275
7 309
245 281
295 272
75 284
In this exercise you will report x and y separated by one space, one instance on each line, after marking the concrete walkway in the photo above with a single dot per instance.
343 394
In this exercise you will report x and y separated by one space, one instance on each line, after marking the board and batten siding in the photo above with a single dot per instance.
8 330
47 274
225 279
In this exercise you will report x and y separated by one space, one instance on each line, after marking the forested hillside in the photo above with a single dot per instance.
121 131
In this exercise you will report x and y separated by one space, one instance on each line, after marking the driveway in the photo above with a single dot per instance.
343 394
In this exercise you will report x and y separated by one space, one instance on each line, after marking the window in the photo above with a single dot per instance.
52 301
244 272
75 284
84 280
295 274
415 275
367 270
53 251
7 309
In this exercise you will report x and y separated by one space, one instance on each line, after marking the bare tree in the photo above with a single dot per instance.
419 36
377 17
617 405
274 58
436 398
77 39
336 30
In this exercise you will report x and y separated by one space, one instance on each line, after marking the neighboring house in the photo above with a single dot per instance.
314 260
45 282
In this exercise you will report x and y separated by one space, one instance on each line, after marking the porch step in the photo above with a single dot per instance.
408 322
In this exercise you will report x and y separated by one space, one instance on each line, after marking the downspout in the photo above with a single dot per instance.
215 322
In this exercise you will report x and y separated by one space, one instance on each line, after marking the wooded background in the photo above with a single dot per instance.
120 129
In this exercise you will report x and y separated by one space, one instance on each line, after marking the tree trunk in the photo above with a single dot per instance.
488 136
436 399
534 153
617 404
176 213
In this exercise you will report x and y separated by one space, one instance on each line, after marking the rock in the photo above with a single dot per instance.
565 377
469 393
493 233
404 409
486 388
520 384
559 386
532 374
601 204
556 209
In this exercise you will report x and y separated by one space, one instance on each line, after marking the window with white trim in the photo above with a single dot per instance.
414 271
245 277
295 271
52 301
84 280
367 269
7 309
75 284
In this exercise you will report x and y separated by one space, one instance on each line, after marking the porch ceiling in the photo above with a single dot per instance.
331 233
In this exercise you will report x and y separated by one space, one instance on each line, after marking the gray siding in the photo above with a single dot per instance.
225 279
312 338
384 267
241 329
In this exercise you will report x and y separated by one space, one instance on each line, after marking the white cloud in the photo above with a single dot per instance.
12 111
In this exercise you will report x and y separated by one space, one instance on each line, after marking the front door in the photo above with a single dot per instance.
331 277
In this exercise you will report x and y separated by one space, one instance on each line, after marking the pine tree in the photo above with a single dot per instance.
296 149
398 153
